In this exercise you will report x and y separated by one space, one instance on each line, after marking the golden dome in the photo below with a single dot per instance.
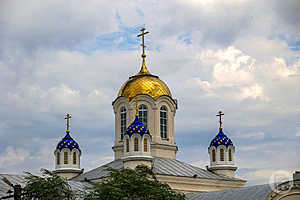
144 84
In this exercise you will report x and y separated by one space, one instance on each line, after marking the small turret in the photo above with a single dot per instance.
137 144
221 152
67 155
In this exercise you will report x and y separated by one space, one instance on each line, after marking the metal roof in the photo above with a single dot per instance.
14 179
76 186
258 192
173 167
100 172
162 166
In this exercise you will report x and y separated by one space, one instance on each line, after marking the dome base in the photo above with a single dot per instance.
132 161
67 173
223 170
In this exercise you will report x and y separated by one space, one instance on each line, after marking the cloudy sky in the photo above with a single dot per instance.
238 56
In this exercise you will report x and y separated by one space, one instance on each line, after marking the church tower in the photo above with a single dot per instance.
144 135
67 155
221 152
156 110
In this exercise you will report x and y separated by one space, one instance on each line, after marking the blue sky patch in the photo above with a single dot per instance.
125 39
186 38
293 43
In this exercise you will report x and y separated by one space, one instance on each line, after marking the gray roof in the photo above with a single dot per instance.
14 179
173 167
162 166
258 192
100 172
166 166
20 179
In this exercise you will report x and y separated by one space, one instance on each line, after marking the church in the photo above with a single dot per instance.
144 110
144 134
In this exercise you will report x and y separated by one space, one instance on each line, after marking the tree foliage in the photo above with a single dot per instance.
128 184
47 187
125 184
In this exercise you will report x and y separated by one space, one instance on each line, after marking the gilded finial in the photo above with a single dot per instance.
220 119
144 69
136 107
68 117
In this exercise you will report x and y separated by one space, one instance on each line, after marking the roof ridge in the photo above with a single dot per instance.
192 169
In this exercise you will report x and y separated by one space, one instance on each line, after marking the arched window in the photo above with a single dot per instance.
163 122
221 154
229 155
143 114
65 158
74 158
214 155
123 121
127 145
145 145
58 158
136 144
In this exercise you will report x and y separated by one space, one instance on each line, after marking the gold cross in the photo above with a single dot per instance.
136 107
220 119
68 117
143 40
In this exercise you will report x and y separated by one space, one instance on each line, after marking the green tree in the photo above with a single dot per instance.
128 184
47 187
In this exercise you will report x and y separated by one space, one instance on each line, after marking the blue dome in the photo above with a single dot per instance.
221 139
137 127
68 142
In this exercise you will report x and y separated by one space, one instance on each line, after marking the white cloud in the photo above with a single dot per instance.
44 101
252 135
234 61
13 156
55 23
231 66
282 69
255 92
264 174
64 95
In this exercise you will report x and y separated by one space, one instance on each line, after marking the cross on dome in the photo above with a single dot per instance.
144 69
68 117
143 40
220 119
